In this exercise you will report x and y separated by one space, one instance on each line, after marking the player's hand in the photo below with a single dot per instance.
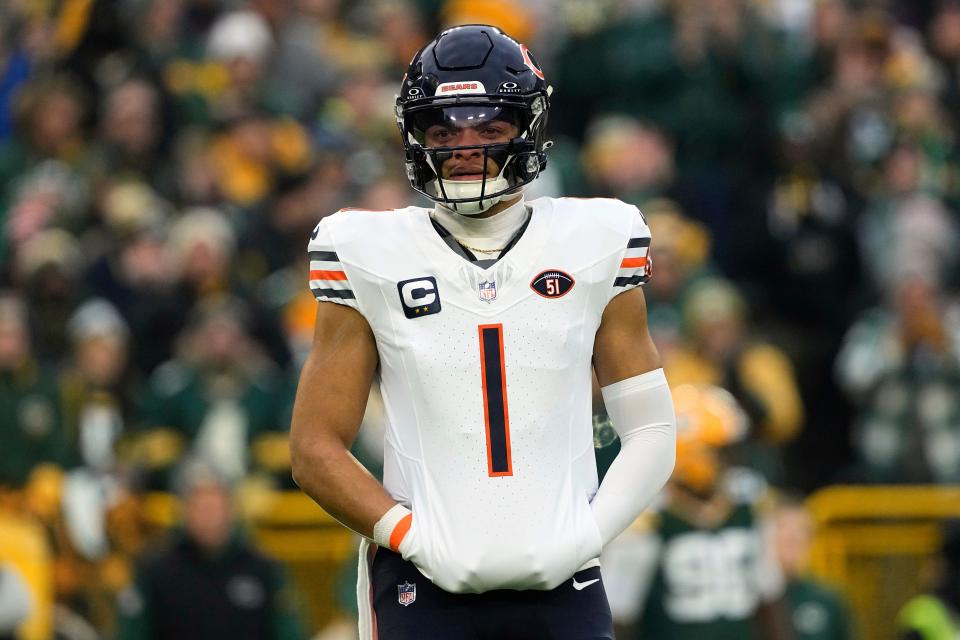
455 570
412 550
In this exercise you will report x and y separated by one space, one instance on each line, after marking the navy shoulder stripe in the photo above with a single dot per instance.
625 281
638 242
345 294
326 256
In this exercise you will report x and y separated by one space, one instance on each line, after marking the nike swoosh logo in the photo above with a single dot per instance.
580 586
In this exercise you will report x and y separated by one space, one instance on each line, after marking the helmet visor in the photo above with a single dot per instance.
421 121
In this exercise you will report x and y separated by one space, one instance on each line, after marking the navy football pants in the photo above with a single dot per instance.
566 613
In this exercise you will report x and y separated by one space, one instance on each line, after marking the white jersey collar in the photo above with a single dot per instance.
483 233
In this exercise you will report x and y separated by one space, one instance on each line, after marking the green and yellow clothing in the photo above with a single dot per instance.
31 429
671 578
703 587
761 370
99 418
907 427
215 413
816 612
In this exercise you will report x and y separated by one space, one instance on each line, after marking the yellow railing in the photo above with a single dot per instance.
876 545
311 544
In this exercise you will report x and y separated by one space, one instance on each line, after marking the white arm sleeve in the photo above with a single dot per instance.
641 410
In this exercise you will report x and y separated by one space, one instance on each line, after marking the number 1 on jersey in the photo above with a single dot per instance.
495 414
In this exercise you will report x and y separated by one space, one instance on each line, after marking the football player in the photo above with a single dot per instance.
700 566
480 319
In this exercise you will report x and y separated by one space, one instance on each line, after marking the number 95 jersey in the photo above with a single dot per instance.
486 380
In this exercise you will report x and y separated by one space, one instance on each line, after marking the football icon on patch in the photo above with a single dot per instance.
407 593
488 290
552 283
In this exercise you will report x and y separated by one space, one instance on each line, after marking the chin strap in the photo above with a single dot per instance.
460 189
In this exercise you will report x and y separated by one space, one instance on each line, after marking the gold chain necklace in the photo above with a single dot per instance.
466 246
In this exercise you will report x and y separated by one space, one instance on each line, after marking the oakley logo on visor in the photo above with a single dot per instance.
455 88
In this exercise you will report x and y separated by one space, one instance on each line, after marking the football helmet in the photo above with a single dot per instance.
466 76
709 419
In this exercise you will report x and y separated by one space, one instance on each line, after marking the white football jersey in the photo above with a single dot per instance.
485 376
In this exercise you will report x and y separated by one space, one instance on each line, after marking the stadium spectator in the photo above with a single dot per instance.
39 178
302 62
131 267
721 351
253 153
804 251
98 389
49 115
207 580
214 398
32 431
681 259
816 611
627 159
242 42
905 228
131 139
47 270
848 110
899 364
801 262
203 245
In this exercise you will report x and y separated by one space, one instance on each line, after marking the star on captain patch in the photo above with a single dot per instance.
406 593
488 290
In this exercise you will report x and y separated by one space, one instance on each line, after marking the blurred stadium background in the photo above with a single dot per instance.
162 163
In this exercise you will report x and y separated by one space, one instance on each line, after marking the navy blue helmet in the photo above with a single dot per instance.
466 76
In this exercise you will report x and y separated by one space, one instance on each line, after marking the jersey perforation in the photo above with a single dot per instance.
388 434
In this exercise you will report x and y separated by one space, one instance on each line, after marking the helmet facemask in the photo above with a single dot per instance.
470 197
506 167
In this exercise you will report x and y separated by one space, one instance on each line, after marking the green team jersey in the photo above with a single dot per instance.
31 428
817 613
707 582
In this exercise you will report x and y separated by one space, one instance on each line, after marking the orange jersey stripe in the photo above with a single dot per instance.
486 403
317 274
633 262
400 531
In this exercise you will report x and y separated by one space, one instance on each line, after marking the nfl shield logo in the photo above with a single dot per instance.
406 593
488 291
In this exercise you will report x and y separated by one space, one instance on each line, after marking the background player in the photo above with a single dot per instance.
699 566
481 320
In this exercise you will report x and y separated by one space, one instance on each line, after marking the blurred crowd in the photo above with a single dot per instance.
162 163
